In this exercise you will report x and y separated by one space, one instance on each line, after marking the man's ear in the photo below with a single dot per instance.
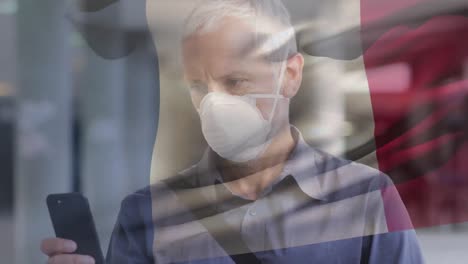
293 75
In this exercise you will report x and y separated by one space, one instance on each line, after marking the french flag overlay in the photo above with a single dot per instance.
415 58
421 128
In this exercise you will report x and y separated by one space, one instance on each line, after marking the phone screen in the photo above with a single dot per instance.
72 219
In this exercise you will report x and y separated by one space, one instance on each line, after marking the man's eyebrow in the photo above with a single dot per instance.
234 74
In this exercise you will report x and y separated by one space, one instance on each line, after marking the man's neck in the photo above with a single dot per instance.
251 178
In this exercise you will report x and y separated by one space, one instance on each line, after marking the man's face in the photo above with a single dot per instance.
223 60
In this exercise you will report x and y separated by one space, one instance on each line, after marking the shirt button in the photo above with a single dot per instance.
253 213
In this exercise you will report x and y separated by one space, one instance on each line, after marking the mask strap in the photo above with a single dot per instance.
278 90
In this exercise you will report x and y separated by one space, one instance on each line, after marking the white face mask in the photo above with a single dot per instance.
234 127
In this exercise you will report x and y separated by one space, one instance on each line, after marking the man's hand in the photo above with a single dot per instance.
59 251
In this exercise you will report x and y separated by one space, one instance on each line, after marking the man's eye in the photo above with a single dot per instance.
236 82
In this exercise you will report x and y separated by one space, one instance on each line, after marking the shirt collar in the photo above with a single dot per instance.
301 165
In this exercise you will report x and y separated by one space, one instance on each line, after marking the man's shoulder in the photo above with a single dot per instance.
186 177
341 178
161 196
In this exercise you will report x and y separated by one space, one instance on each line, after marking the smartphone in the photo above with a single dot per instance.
72 219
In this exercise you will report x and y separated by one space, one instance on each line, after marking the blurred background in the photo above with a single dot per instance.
85 87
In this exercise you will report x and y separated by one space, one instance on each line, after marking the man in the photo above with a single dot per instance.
260 194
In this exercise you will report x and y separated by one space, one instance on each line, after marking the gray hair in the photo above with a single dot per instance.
275 35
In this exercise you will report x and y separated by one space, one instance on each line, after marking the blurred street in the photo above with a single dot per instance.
442 245
439 245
